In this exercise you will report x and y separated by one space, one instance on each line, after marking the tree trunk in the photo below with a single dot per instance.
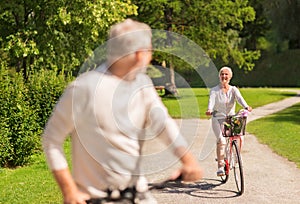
172 85
172 79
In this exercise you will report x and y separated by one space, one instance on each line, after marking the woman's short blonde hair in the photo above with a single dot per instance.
128 37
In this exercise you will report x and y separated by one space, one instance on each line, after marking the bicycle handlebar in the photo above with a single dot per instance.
242 113
129 194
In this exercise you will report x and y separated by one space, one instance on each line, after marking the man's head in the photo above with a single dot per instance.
126 38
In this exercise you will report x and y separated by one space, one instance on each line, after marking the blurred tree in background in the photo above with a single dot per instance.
55 34
42 44
285 20
215 25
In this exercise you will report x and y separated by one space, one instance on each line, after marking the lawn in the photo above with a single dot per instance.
31 184
192 103
34 183
280 132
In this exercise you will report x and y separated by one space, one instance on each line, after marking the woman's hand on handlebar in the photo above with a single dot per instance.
249 108
208 112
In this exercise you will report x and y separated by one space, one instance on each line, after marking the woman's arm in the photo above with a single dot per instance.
240 99
211 100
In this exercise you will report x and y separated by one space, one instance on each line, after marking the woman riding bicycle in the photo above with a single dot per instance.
222 101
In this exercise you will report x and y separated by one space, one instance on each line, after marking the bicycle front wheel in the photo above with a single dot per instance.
237 168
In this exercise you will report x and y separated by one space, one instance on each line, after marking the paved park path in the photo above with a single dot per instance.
269 178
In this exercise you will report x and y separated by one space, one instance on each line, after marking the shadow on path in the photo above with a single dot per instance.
202 189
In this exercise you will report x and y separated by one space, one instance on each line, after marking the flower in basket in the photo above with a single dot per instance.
237 125
227 129
236 121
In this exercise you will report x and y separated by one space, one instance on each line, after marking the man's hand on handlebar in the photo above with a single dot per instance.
190 170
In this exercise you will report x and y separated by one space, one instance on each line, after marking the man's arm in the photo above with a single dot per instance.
167 129
190 170
68 187
59 125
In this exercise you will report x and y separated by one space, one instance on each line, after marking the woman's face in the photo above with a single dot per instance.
225 76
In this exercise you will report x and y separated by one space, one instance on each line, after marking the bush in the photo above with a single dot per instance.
19 129
45 88
25 107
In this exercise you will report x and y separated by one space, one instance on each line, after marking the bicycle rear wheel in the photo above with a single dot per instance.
237 166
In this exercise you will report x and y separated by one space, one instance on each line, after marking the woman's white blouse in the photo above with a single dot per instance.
224 103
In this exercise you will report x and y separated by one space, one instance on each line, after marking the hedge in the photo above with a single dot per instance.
25 108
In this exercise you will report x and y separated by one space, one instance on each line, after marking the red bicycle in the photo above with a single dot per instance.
232 129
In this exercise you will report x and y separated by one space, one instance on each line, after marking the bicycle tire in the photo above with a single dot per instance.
237 168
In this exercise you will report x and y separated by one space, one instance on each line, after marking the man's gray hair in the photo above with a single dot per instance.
126 38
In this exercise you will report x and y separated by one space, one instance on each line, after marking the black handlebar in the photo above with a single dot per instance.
129 194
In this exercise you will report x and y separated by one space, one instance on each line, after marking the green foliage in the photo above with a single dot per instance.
272 70
56 34
284 18
40 35
25 107
214 25
44 89
19 128
254 32
153 72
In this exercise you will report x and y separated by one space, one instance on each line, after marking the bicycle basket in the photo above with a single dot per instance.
234 125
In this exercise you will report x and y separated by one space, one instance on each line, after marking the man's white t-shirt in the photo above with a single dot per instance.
107 118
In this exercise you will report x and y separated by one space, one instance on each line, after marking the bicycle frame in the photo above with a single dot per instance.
229 141
228 153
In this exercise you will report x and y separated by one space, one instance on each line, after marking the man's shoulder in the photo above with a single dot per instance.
86 81
88 76
144 79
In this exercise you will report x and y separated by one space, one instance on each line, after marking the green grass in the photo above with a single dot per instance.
280 132
30 184
193 102
35 184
